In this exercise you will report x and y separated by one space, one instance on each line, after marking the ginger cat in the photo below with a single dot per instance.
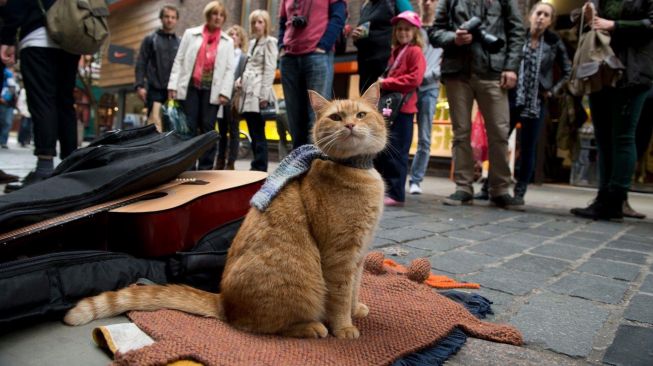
295 267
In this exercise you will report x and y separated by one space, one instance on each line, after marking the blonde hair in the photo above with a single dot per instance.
554 12
213 7
417 40
241 34
262 14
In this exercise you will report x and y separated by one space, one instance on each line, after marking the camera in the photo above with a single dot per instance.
490 42
299 21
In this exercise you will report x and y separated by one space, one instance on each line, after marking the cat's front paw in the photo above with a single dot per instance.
360 311
350 332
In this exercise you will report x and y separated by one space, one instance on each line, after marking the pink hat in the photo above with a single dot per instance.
409 16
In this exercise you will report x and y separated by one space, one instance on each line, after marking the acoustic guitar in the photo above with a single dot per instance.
156 222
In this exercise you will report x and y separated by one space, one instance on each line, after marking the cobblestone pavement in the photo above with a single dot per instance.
580 291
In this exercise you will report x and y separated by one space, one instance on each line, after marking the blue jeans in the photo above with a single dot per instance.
392 163
529 135
298 74
426 101
6 117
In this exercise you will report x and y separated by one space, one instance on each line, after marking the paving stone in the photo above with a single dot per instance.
562 225
640 309
396 212
631 245
605 227
591 287
632 346
403 254
497 248
471 234
507 280
590 235
545 231
647 284
561 323
560 251
381 242
579 242
460 261
403 234
478 352
620 255
436 243
518 224
537 264
522 238
501 301
605 268
533 218
646 238
643 229
394 223
434 227
496 229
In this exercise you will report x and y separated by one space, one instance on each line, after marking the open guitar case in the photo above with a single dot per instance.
45 277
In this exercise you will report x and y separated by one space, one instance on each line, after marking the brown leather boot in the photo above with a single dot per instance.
230 165
629 212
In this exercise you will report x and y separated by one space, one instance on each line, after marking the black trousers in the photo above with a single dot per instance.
49 76
155 95
201 119
229 134
256 127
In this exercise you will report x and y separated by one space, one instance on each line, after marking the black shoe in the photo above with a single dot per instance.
505 201
458 199
7 178
30 178
520 192
484 194
606 206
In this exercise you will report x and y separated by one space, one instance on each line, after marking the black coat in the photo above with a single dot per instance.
553 51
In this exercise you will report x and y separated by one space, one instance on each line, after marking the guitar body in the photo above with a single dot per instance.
175 219
158 222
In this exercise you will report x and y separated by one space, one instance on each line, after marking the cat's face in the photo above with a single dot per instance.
346 128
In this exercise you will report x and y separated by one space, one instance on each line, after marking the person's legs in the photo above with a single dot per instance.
5 124
256 127
25 132
394 159
370 73
294 91
493 104
224 134
192 109
234 139
530 132
602 115
426 101
461 98
318 68
208 115
66 76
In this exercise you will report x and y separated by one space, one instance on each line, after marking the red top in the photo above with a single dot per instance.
406 75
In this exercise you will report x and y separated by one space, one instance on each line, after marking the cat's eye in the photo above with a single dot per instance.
360 115
335 117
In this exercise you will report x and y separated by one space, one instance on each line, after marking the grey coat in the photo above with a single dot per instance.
259 73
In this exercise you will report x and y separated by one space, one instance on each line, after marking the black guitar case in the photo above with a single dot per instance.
115 165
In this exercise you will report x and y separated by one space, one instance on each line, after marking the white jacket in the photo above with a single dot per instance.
223 69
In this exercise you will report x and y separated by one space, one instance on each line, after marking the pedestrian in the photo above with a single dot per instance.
25 130
427 99
256 84
642 142
228 116
49 75
155 59
479 66
536 85
203 75
372 37
8 90
306 45
404 74
616 110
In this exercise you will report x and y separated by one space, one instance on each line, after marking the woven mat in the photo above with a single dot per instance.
405 316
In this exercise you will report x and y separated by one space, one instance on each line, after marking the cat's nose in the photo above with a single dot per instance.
350 126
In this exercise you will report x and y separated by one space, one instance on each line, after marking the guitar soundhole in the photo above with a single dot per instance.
152 196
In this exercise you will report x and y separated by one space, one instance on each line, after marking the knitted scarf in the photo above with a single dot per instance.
294 165
203 70
529 81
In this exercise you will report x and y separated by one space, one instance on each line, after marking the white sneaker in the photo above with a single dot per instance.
415 189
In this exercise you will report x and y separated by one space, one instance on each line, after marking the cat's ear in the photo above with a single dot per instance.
318 102
372 94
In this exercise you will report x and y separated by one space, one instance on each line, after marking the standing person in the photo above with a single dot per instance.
49 75
542 50
203 74
473 69
616 110
405 73
155 59
308 30
228 123
256 84
372 37
7 103
427 99
25 131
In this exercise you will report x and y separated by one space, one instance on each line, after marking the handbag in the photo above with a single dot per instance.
390 102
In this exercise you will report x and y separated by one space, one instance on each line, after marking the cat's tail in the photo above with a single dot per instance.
147 298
